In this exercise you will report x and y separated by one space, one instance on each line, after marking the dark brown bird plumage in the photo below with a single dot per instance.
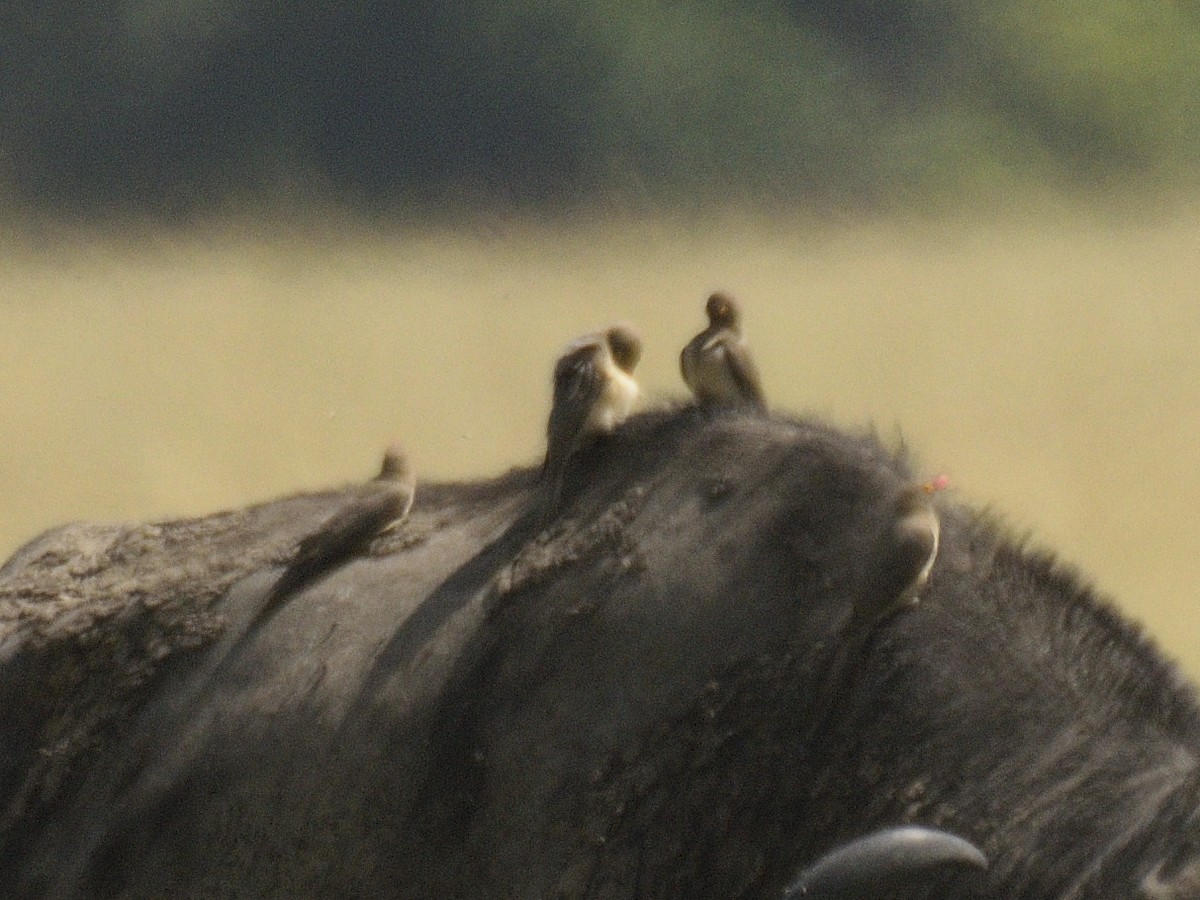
370 509
717 365
594 391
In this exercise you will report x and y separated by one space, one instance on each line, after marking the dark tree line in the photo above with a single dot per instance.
149 104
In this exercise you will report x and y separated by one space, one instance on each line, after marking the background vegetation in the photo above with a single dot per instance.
170 105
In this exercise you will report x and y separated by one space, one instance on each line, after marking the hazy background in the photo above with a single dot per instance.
246 242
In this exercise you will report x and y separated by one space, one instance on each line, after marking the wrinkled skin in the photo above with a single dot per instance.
654 697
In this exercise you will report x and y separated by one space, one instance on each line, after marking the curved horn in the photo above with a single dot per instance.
888 857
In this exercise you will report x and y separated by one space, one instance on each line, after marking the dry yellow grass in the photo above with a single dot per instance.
1046 362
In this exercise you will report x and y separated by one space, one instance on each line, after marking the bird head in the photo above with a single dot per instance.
625 346
723 310
395 464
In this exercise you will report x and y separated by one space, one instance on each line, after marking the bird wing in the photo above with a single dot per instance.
372 507
375 505
687 361
743 371
578 385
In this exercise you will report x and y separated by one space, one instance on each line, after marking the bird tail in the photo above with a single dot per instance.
554 472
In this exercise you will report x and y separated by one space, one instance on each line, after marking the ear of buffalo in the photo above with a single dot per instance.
888 858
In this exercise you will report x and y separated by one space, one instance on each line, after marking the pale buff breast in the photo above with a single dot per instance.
615 402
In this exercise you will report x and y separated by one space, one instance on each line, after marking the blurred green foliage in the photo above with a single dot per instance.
173 105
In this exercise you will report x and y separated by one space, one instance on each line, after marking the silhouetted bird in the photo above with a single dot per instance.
370 509
594 391
717 364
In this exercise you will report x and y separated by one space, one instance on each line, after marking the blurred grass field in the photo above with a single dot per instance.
1046 361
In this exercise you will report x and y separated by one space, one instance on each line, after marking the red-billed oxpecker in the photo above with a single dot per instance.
594 391
371 509
716 363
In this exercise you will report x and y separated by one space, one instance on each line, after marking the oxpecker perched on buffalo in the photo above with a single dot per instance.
716 363
594 391
912 540
372 508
